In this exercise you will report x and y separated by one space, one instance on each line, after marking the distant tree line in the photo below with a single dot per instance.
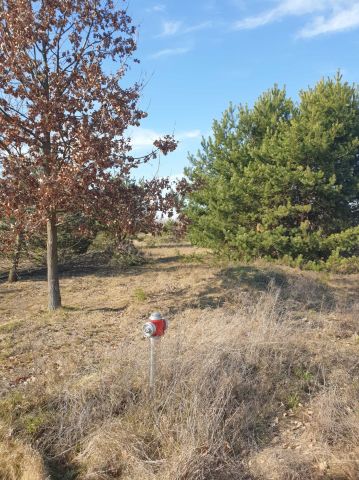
280 180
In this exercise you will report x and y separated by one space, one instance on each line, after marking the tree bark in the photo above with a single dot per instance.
13 277
54 297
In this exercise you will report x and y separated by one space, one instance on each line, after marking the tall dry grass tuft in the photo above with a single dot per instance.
275 463
230 383
19 461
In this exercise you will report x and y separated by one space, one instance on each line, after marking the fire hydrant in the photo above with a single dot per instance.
156 326
154 329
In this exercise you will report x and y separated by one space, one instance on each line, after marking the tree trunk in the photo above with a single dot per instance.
54 297
15 259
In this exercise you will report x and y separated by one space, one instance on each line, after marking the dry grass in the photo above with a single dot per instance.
19 461
258 378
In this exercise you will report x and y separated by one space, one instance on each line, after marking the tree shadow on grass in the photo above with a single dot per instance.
254 277
298 291
99 263
210 297
10 290
164 260
103 269
106 309
298 288
166 245
61 470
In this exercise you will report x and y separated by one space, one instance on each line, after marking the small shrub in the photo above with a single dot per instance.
102 242
140 295
34 423
303 374
126 255
293 401
191 258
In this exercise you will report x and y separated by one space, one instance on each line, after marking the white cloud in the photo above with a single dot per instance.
170 28
189 134
254 22
326 16
343 20
143 138
198 26
284 8
160 7
176 176
168 52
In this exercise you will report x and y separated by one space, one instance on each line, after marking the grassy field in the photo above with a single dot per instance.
259 375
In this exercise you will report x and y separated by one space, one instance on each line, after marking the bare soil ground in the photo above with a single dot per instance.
259 374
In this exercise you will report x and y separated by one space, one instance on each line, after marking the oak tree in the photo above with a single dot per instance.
64 111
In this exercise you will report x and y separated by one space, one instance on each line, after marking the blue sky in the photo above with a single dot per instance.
197 56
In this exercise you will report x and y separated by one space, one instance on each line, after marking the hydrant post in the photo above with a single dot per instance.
153 363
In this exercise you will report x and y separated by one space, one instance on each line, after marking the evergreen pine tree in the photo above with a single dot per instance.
278 179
